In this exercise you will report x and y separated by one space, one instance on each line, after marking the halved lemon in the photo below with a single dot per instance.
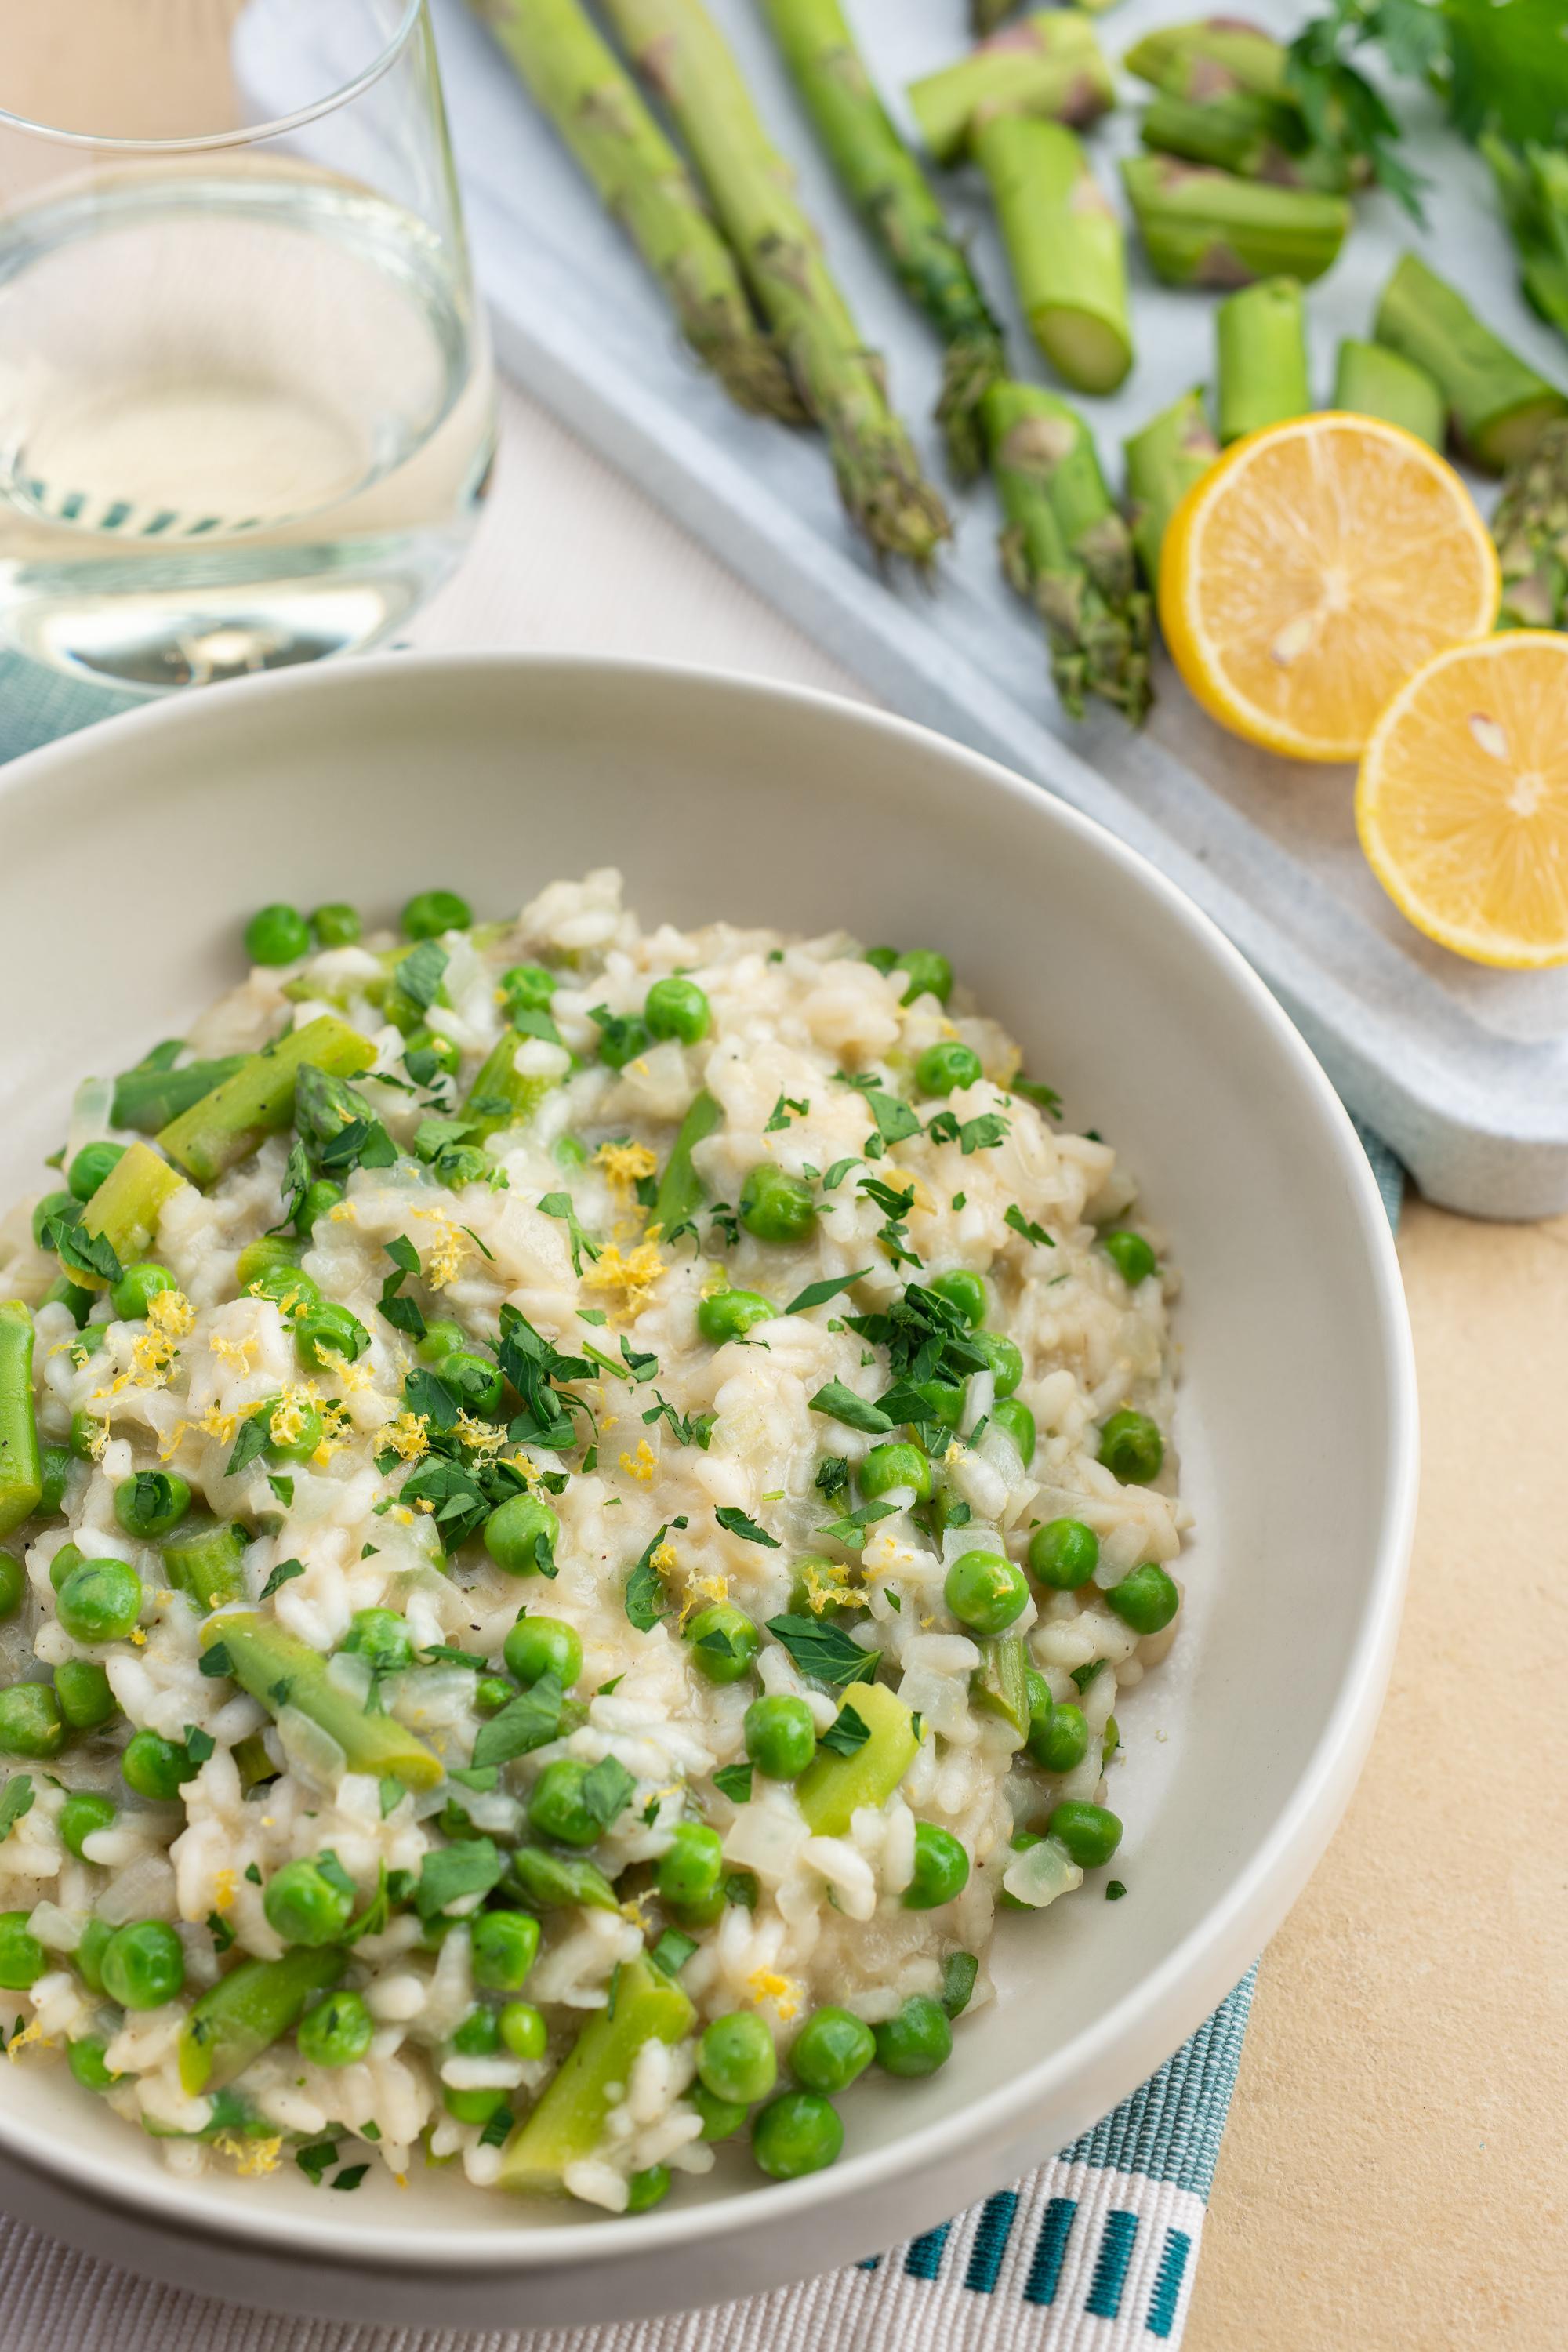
1462 800
1312 569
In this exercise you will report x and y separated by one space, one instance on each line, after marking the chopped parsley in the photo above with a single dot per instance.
735 1523
817 1293
825 1652
847 1733
839 1402
1036 1235
16 1803
734 1782
284 1573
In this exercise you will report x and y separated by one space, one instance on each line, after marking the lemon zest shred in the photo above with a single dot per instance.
250 2156
767 1984
626 1164
633 1273
225 1885
31 2033
407 1437
642 1466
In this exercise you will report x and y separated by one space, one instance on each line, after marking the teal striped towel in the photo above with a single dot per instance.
1093 2252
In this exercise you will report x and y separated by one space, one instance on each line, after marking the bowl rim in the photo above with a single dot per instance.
1220 1947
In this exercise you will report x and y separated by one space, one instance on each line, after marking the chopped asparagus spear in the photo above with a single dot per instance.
501 1096
1208 228
1050 64
1530 528
206 1563
21 1466
554 1881
1260 138
682 1191
147 1099
833 1787
225 1126
125 1209
1065 245
247 2011
1067 549
1369 380
568 2122
1262 337
1210 58
580 84
1173 450
282 1671
1497 405
998 1684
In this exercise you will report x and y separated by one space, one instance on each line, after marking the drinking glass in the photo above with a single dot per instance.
246 408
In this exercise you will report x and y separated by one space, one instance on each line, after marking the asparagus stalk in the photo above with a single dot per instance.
1067 549
247 2011
1262 338
1534 186
1065 245
501 1095
146 1099
227 1125
21 1465
1210 58
1371 381
1530 528
1050 65
1260 138
1497 405
577 80
832 1788
681 53
1173 450
282 1671
681 1192
568 2122
888 189
206 1564
1208 228
125 1209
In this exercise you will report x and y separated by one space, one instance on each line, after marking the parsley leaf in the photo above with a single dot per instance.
646 1598
779 1115
315 2160
839 1402
1036 1235
284 1573
959 1971
735 1522
350 2177
672 1951
734 1782
401 1313
335 1120
1044 1098
847 1732
17 1801
817 1293
528 1721
80 1252
852 1530
450 1872
253 1440
837 1172
605 1790
824 1652
419 975
559 1204
690 1429
832 1476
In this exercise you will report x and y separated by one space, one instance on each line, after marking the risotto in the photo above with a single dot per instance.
575 1503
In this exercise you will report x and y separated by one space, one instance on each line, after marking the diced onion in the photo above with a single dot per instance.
1041 1873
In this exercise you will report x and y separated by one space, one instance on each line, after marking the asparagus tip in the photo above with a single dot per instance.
971 365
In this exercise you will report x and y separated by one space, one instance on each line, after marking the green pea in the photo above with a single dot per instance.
730 1315
68 1557
87 1957
336 925
306 1903
1146 1601
677 1008
942 1069
475 1380
882 960
61 1293
544 1645
337 2032
382 1638
735 2058
87 2064
23 1959
647 2188
520 1537
81 1817
91 1166
1064 1554
917 2041
724 1642
156 1768
986 1591
31 1723
929 974
795 2134
941 1868
318 1200
82 1689
277 1277
720 2118
55 1207
13 1584
302 1419
440 1339
1062 1742
505 1946
965 1291
781 1737
1016 1422
152 1504
831 2050
324 1329
691 1867
1004 1359
478 2035
137 1286
492 1691
473 2106
1130 1254
888 1468
1132 1448
522 2029
144 1964
527 987
777 1207
276 934
557 1809
100 1599
55 1460
945 1400
1089 1832
430 912
1041 1705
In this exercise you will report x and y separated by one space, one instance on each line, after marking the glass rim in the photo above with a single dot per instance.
204 141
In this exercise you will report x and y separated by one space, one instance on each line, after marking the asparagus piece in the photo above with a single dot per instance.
1173 450
888 189
227 1125
1262 338
682 1191
1497 404
577 80
1050 65
250 2009
1260 138
998 1685
21 1465
1065 245
1212 57
1208 228
1534 186
832 1788
568 2122
1371 381
125 1209
501 1096
282 1671
681 53
555 1881
1067 549
1530 528
206 1563
146 1099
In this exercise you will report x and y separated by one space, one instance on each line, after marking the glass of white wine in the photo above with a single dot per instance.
246 408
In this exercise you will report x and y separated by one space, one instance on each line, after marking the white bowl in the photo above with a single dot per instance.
129 856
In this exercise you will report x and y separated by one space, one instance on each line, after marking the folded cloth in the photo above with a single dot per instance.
1095 2250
